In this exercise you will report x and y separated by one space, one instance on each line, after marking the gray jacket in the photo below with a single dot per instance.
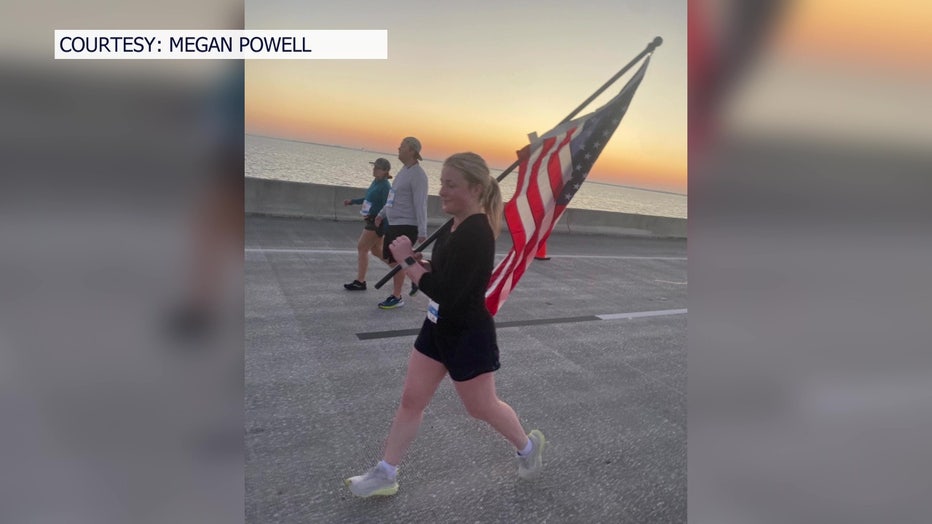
407 201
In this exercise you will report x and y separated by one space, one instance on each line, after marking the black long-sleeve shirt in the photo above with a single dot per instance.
461 266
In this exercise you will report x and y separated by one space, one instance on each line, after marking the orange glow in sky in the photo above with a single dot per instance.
482 84
893 36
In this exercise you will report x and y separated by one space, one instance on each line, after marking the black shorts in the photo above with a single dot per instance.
466 353
370 226
394 232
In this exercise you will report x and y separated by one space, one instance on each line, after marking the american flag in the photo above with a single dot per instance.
552 169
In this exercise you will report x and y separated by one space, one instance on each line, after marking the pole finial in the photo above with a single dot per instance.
656 43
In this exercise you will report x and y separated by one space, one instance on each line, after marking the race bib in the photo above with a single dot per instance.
433 311
391 198
366 206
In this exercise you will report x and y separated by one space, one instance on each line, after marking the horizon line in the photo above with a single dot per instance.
667 192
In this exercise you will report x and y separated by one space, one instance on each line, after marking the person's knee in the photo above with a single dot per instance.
413 402
479 410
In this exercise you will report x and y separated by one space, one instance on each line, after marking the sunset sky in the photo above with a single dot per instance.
480 76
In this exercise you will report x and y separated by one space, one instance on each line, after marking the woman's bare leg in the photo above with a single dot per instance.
424 375
481 401
363 247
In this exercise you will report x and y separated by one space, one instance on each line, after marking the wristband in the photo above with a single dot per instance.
408 262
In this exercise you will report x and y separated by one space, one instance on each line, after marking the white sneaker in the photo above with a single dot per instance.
374 482
529 466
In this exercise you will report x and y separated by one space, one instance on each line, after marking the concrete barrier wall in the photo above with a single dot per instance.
297 199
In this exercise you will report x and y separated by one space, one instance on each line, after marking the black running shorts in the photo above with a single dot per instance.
393 233
370 226
466 353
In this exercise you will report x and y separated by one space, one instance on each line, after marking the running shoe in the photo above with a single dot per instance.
374 482
391 302
414 289
530 465
355 286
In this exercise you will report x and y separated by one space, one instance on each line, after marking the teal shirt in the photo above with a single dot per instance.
376 195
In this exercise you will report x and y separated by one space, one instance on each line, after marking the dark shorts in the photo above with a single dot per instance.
370 226
466 353
393 233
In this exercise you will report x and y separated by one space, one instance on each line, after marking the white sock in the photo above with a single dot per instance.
527 449
388 468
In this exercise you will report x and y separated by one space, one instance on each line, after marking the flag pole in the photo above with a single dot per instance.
654 44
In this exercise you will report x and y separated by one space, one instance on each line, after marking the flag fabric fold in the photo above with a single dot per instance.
552 169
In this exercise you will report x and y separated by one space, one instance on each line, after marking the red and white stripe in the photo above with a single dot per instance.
533 210
546 167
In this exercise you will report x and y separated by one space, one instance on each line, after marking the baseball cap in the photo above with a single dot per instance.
415 145
382 164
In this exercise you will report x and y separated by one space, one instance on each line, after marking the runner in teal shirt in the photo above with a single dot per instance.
370 241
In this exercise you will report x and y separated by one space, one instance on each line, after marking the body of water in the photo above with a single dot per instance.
277 159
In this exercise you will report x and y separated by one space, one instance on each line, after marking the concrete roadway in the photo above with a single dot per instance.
593 352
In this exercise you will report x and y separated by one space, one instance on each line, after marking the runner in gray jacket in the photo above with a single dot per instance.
406 212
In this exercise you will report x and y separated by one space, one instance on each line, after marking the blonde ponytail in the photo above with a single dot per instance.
492 205
476 172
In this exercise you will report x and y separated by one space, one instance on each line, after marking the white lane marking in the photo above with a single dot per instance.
308 251
641 314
